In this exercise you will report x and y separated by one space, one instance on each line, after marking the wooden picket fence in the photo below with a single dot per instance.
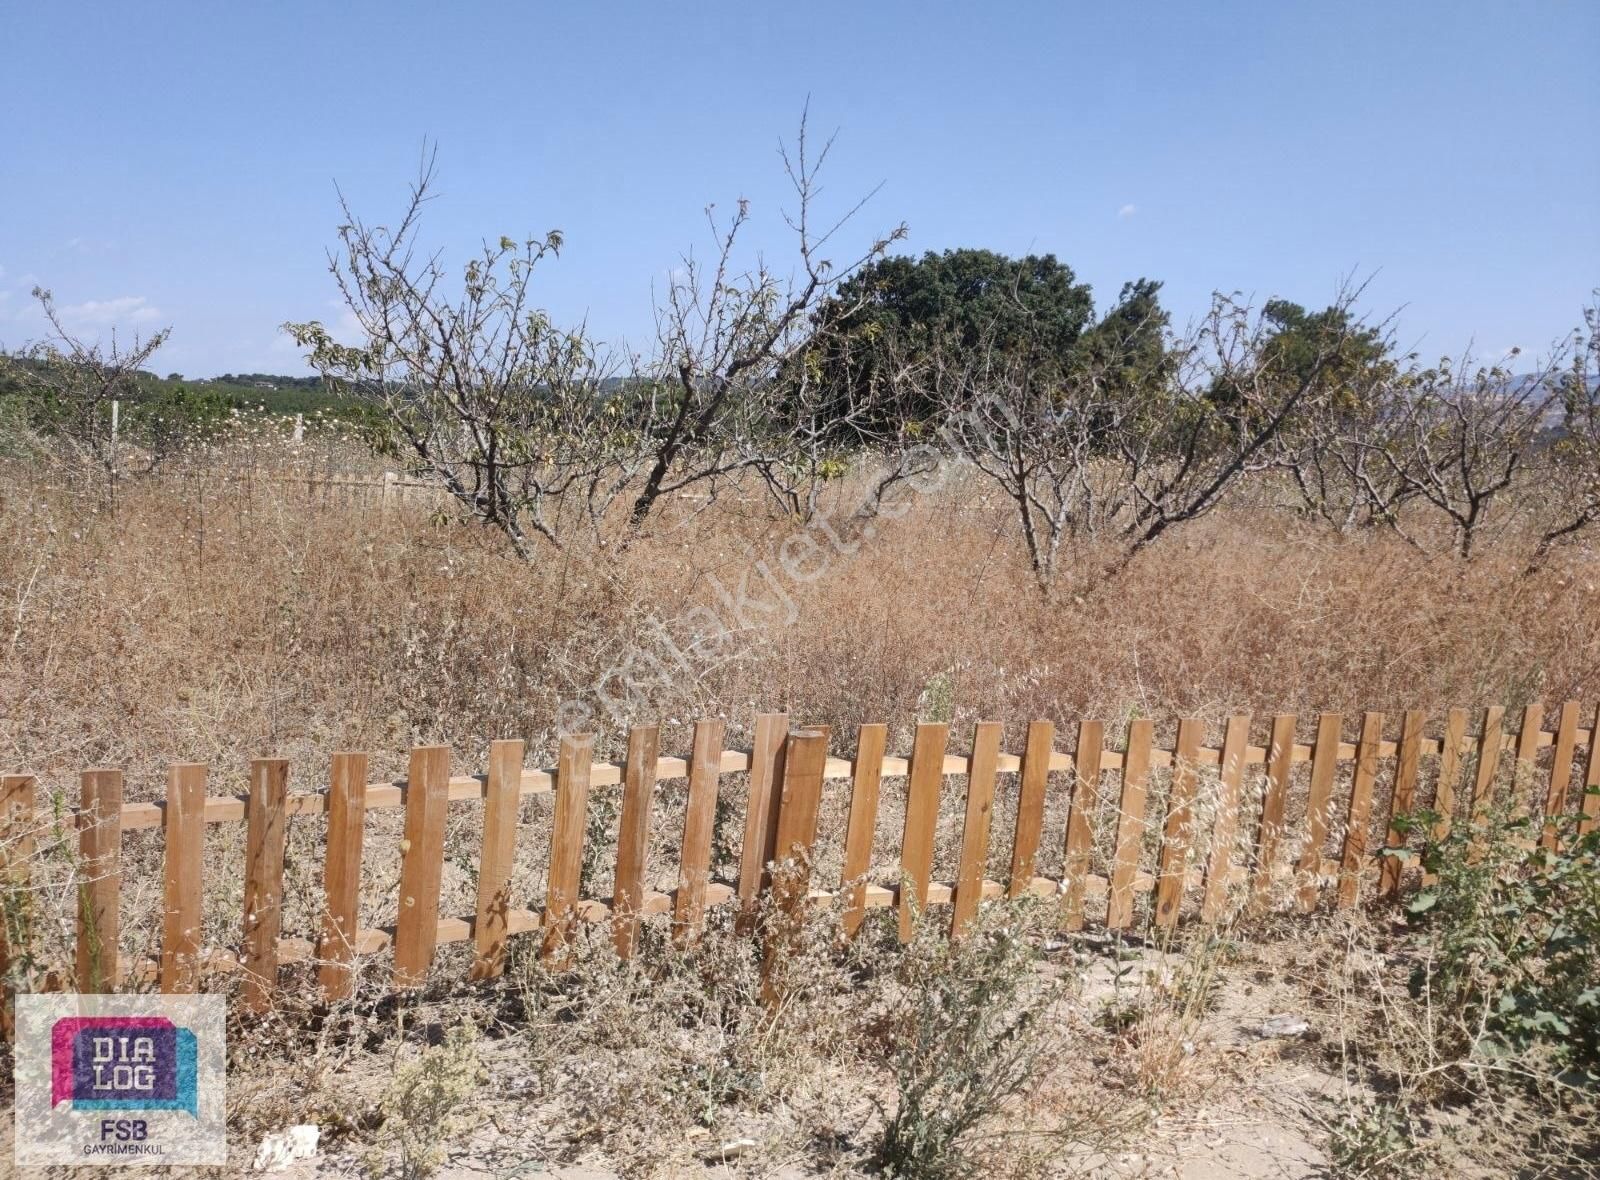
786 775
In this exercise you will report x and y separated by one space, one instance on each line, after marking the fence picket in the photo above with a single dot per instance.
1130 823
100 883
347 788
798 808
1591 780
1324 765
699 817
1225 829
1082 808
866 781
1555 797
502 797
17 818
1402 798
982 765
1274 799
633 835
924 779
263 882
422 865
1527 759
1490 743
566 846
1178 834
1358 816
182 889
761 812
1033 777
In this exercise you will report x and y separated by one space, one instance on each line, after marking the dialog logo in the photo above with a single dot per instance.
120 1080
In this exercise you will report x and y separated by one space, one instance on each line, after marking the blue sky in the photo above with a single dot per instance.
175 164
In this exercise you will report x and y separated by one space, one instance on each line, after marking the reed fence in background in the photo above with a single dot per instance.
1217 850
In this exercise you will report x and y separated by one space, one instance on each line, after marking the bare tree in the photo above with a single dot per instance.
732 391
74 388
1575 449
526 424
1094 456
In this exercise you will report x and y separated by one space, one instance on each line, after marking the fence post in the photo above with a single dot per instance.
1225 828
1130 823
800 801
1591 780
1033 778
16 908
1274 797
417 929
1178 834
699 819
1555 796
761 812
1491 743
263 882
633 835
100 880
1324 766
982 766
1527 759
1358 818
1402 798
1082 808
184 861
924 778
341 882
866 782
566 846
503 794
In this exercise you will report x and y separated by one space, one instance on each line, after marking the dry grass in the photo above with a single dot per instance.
218 613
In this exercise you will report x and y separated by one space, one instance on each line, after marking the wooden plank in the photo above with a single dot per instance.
1402 799
981 770
699 820
798 809
1591 781
496 857
1081 812
1490 744
1451 749
421 865
342 874
1130 823
1324 765
1358 816
566 847
17 819
925 777
1178 833
871 741
633 835
1274 800
100 880
1555 796
263 881
761 812
802 799
1527 759
183 855
1034 776
1225 829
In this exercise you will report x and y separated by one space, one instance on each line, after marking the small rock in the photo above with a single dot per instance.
281 1148
1286 1026
732 1149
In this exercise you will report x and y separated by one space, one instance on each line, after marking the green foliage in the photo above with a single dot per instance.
967 1039
899 313
1515 936
1375 1139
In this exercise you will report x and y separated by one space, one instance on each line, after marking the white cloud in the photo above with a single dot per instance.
1126 212
99 313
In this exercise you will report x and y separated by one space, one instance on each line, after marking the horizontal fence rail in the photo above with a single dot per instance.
1222 821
